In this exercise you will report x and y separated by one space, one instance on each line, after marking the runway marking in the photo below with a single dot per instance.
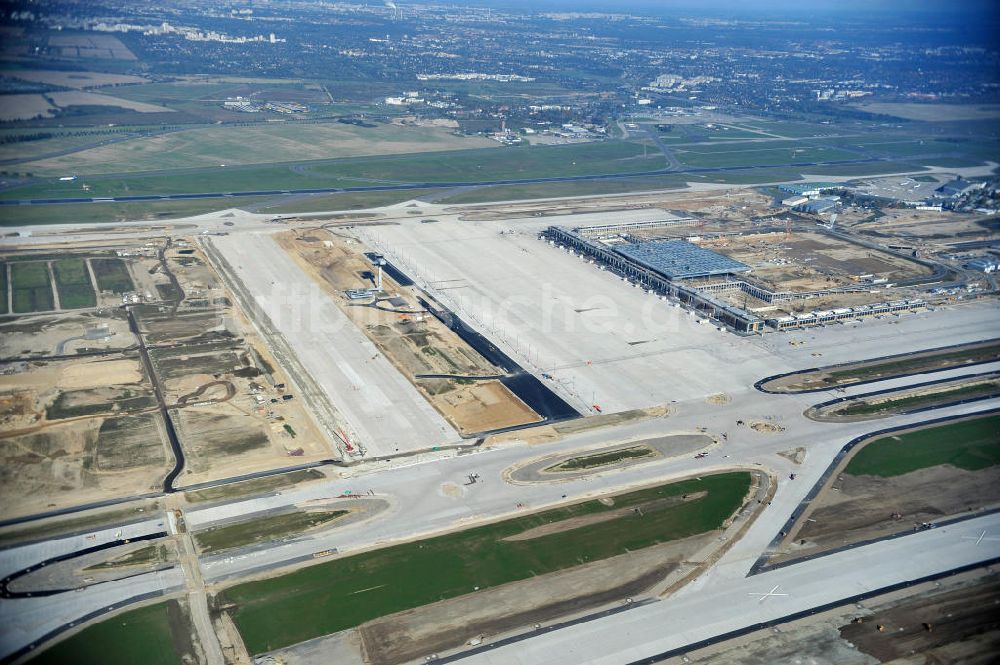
980 538
371 588
765 596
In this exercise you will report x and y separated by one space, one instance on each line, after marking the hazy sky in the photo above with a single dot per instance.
955 7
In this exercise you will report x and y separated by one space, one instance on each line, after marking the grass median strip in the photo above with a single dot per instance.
254 486
968 444
860 407
257 530
915 364
347 592
601 459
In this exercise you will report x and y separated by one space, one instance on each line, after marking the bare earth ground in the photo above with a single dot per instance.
228 424
810 261
861 507
41 335
80 461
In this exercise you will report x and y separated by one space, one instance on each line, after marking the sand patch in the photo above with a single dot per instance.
103 373
766 427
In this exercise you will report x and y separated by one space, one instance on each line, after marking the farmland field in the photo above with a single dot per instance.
325 598
112 275
30 286
73 284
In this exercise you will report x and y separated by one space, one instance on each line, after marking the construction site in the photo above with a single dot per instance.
749 279
159 383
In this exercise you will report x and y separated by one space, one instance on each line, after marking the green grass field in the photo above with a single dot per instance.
858 170
342 593
611 157
109 213
557 189
764 153
255 144
73 284
154 635
30 287
347 201
112 275
271 527
968 444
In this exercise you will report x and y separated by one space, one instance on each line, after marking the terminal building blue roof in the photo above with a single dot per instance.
680 259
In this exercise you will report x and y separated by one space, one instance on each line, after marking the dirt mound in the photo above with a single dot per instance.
796 455
765 427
